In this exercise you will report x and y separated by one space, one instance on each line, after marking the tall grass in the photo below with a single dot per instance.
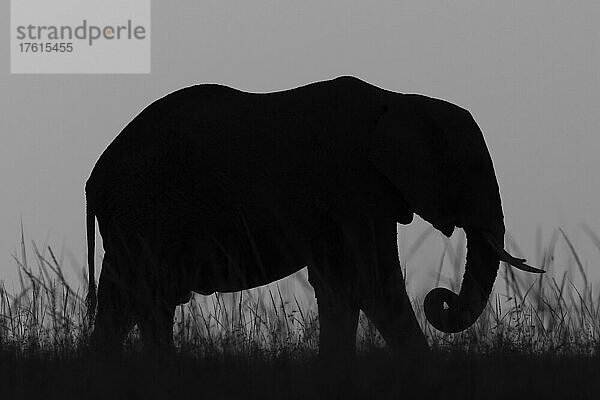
545 314
537 338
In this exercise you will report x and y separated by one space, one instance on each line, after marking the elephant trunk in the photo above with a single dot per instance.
449 312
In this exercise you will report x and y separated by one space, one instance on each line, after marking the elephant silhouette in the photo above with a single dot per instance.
212 189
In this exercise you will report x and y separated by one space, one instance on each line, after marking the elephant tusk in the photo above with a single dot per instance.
524 267
503 255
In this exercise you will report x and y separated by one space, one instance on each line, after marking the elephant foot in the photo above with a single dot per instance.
337 377
103 348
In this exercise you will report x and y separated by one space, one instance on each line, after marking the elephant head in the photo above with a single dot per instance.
435 155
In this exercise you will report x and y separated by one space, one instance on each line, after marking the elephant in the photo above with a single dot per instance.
212 189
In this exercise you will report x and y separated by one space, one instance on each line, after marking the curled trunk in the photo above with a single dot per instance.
449 312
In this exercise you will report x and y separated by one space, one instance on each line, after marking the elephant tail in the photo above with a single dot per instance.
91 299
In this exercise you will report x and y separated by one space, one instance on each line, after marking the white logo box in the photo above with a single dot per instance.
74 36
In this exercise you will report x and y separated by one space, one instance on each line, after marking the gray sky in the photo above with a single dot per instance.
528 71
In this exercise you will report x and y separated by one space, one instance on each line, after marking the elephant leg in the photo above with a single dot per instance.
338 311
114 316
338 319
384 298
156 325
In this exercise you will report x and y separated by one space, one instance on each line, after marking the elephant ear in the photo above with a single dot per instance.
410 148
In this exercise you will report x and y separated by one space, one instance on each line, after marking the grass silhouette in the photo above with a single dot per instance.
536 339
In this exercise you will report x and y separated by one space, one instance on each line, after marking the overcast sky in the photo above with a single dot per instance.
529 72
